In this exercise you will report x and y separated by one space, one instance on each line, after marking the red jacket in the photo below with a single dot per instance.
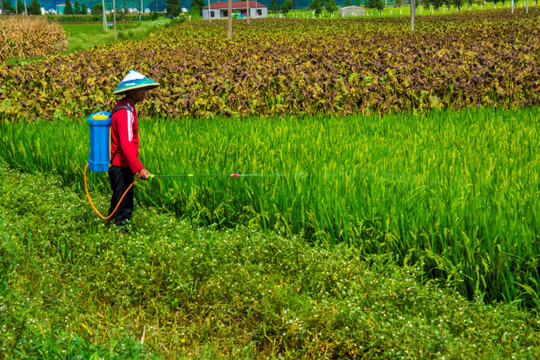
125 138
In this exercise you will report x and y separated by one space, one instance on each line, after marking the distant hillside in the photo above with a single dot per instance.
51 4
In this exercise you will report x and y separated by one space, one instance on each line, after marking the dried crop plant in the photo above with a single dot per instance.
23 38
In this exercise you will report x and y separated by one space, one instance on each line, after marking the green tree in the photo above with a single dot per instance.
317 6
34 8
330 6
458 3
173 8
97 9
68 10
196 7
76 8
8 7
20 7
347 3
274 7
358 3
375 4
436 3
83 9
286 7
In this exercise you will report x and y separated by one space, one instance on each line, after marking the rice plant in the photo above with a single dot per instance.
455 192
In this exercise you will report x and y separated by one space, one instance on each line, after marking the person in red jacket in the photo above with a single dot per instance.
125 164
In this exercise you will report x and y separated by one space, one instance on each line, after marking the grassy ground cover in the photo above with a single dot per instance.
72 288
83 36
454 191
130 17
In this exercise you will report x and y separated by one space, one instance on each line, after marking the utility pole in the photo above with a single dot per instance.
105 28
114 18
512 6
25 8
2 5
413 10
125 19
229 27
209 12
247 13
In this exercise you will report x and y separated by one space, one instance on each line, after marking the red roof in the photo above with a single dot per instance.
235 5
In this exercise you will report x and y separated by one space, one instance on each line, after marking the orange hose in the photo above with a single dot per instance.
117 205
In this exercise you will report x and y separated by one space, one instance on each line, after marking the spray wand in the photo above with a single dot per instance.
150 177
213 175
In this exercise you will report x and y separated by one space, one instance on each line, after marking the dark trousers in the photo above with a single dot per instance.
121 178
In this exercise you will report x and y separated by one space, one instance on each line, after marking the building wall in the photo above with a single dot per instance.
352 11
222 13
253 12
205 14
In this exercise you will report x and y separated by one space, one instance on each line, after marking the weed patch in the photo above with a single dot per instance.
72 287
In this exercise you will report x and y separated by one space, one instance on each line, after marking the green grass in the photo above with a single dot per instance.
82 36
70 287
456 192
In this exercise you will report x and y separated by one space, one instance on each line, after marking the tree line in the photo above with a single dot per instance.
174 7
20 7
35 8
12 7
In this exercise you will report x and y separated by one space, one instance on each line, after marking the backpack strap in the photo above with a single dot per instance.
115 109
120 107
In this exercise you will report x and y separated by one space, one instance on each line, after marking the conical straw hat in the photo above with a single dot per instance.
135 80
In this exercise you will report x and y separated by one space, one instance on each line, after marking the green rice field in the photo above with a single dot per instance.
456 192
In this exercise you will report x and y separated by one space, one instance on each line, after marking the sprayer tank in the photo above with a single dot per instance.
100 156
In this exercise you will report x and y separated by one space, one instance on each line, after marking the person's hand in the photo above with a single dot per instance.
143 174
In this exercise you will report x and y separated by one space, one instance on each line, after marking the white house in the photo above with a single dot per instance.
352 11
219 10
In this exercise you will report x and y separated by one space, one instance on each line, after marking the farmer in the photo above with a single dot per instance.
125 164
